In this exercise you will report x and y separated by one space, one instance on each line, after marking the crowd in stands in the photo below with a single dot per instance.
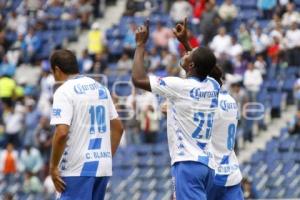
247 51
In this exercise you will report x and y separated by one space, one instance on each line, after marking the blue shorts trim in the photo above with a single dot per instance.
226 193
84 188
191 180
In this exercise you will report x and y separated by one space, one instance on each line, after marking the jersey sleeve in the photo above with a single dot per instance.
113 114
62 109
168 87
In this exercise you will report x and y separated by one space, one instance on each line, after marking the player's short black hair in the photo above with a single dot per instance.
65 60
204 60
217 74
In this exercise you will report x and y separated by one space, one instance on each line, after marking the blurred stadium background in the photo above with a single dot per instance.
257 43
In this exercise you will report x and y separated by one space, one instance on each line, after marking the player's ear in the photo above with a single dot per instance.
191 65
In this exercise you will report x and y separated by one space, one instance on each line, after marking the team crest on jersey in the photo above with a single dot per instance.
161 82
102 93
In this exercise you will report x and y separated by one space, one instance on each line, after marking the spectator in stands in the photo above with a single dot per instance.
9 163
173 45
32 117
260 41
290 16
260 64
47 84
149 124
8 196
130 8
4 44
85 62
100 63
33 6
154 59
235 50
124 65
244 39
180 9
14 53
239 66
294 124
267 7
293 44
228 13
161 36
13 120
32 184
17 23
252 81
7 67
31 159
43 137
248 189
96 40
274 50
173 68
198 8
132 124
221 43
85 11
31 45
210 21
129 39
277 31
241 97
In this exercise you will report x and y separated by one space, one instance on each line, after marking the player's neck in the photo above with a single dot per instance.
72 76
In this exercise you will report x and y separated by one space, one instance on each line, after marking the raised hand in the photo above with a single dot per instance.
180 31
142 34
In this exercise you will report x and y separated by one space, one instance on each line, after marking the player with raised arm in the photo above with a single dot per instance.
87 132
227 173
192 104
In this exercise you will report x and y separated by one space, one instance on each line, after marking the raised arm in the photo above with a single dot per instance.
140 78
180 31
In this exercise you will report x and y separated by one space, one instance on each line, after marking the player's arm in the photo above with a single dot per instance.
61 117
140 78
180 31
58 147
116 126
116 134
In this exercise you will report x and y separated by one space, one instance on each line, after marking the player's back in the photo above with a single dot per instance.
191 107
86 103
223 139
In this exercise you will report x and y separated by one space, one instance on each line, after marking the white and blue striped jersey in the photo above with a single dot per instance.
86 106
227 172
190 115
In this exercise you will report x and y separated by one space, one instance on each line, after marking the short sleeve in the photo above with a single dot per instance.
113 114
167 87
62 109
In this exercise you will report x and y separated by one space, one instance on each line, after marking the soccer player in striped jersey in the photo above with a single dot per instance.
192 102
87 132
228 176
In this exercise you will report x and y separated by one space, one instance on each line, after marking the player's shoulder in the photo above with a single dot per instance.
225 95
168 80
215 83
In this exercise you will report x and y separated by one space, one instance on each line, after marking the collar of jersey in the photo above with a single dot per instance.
75 77
223 91
196 78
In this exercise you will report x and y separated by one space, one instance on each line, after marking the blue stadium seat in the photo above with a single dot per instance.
248 14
